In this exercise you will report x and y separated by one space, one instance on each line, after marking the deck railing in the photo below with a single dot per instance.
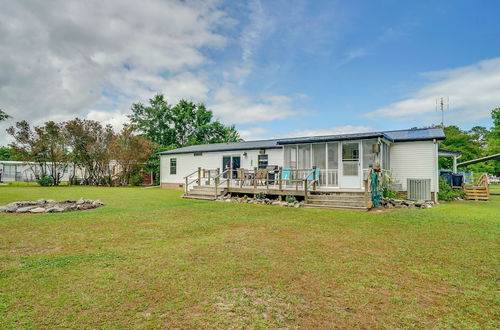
256 179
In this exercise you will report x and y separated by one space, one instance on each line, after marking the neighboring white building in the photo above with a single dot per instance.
25 171
344 161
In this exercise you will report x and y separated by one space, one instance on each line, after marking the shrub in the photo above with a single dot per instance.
46 181
137 179
290 199
387 193
261 195
447 193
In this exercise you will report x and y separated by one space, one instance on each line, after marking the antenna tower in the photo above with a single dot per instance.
442 104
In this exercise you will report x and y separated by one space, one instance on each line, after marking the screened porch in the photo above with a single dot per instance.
340 164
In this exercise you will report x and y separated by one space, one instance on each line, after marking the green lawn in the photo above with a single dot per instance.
495 189
150 259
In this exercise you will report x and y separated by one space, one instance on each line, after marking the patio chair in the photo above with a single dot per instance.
240 176
261 176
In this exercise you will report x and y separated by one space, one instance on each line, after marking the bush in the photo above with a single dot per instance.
387 193
261 195
137 179
46 181
447 193
290 199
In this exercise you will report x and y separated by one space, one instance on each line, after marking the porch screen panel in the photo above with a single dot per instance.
319 155
333 156
369 157
386 157
290 153
304 156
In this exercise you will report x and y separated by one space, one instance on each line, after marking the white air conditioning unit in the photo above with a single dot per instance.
419 189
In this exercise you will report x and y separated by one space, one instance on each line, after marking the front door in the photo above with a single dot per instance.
351 169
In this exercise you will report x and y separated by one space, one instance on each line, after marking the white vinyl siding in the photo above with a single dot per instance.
188 162
414 160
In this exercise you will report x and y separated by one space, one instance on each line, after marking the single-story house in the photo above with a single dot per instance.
341 162
27 171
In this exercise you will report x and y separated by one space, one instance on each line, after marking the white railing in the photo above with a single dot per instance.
329 178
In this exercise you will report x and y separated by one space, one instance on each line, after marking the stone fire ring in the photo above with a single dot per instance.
51 206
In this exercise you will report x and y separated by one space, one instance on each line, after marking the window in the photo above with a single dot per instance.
198 153
173 165
9 170
350 151
263 161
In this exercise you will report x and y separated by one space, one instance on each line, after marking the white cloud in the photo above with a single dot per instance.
233 107
93 59
473 91
330 131
62 58
254 133
257 133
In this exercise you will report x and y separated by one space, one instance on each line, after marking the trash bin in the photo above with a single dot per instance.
457 179
446 176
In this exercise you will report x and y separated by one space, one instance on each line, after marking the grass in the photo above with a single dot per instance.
495 189
150 259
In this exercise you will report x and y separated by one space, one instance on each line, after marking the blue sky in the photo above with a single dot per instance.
272 68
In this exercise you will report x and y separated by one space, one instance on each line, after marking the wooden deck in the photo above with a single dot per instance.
203 184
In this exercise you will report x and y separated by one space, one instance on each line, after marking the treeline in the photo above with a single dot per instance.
93 154
96 155
475 143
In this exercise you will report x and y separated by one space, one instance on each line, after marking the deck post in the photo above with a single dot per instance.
186 186
255 178
280 182
267 180
367 195
217 179
199 176
305 190
242 178
209 177
314 178
229 175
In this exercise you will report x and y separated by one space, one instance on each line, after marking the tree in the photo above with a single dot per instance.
90 146
184 124
130 151
7 153
3 115
494 141
44 147
170 127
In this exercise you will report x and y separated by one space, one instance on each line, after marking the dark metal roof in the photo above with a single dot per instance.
393 136
449 152
245 145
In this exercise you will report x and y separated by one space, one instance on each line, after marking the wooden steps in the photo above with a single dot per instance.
479 192
476 193
346 200
337 200
202 193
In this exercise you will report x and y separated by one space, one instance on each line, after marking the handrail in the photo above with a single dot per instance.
187 176
217 182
